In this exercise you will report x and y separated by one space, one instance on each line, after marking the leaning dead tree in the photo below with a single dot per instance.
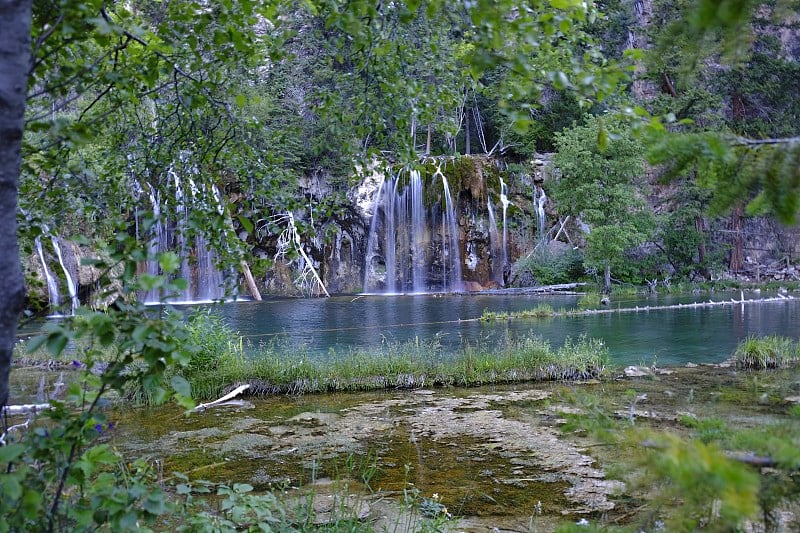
288 241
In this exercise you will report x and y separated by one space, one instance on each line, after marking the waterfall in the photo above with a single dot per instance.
372 240
418 232
73 292
404 235
452 252
204 281
391 244
52 284
52 280
504 201
539 201
158 244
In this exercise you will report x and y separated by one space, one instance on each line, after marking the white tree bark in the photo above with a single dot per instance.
15 46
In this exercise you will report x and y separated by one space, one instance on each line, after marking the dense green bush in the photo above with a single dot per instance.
549 266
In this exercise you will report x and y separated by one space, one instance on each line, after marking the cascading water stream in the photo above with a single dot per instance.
198 258
418 232
403 232
73 292
539 201
52 284
391 244
372 240
452 278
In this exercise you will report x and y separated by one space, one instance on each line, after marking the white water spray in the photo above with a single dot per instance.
494 243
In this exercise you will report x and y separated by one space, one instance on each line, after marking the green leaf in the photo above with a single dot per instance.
246 224
180 283
242 487
141 332
241 100
11 452
35 343
181 386
602 138
169 262
11 488
56 342
155 504
149 282
565 4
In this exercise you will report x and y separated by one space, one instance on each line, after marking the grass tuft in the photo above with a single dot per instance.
771 351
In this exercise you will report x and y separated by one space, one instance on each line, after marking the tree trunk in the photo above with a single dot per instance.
607 279
467 148
15 46
250 281
737 230
428 142
701 247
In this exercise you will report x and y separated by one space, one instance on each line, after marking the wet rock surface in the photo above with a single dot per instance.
495 459
462 445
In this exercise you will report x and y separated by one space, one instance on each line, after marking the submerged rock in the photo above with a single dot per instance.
638 372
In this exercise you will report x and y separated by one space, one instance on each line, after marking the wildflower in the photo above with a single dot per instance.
98 428
76 363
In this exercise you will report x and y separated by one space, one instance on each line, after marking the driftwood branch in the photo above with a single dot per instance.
29 409
26 409
230 396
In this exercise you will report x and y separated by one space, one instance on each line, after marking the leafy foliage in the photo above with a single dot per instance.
599 164
551 266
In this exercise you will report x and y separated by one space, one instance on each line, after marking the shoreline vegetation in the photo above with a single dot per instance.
219 363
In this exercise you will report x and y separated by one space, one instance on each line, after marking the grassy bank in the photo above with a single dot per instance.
283 370
219 361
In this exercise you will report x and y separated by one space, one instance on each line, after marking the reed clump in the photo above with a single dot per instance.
771 351
540 311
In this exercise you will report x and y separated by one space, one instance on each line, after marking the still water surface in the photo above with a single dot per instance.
667 337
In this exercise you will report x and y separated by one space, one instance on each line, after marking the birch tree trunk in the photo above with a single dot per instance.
15 46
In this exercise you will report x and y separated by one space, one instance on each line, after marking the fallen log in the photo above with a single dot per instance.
25 409
230 396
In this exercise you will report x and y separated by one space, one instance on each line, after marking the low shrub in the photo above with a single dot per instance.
550 266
